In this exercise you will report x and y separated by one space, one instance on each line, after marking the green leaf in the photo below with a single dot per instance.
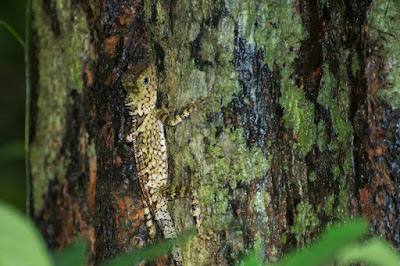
330 244
251 259
20 242
375 252
74 254
12 151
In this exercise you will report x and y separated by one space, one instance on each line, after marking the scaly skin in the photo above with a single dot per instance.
150 150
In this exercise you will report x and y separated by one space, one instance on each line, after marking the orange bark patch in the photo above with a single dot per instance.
379 151
92 182
88 77
118 161
127 17
111 43
317 72
129 216
86 231
365 202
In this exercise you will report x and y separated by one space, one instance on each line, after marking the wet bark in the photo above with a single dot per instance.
300 129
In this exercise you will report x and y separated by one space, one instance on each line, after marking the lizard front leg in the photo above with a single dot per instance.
168 118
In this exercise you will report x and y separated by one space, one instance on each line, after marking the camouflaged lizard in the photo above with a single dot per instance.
150 151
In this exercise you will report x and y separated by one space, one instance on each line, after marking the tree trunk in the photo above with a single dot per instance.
300 129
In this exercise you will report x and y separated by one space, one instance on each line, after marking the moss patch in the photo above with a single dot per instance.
334 96
329 201
312 177
225 161
274 27
305 222
384 21
299 115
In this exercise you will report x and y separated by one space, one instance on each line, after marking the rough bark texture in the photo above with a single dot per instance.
301 128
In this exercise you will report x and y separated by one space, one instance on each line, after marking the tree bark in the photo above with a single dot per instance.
300 129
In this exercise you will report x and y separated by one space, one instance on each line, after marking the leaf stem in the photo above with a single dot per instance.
13 33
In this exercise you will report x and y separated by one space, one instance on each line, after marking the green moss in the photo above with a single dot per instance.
226 83
311 177
334 96
218 163
305 222
280 32
59 74
324 3
299 115
336 172
208 51
281 43
347 168
329 201
284 238
274 27
258 245
226 161
343 209
242 164
321 133
384 21
337 107
355 65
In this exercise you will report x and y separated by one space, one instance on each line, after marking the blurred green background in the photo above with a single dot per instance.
12 105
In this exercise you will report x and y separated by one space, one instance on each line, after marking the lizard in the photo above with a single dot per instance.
148 138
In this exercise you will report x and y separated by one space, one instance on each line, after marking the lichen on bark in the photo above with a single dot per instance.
63 47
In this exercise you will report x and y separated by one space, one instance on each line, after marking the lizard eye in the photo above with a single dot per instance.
145 81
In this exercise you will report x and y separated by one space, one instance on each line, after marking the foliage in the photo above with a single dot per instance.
342 244
12 151
20 241
21 244
149 253
74 254
12 178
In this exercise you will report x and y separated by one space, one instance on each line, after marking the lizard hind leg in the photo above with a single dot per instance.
174 192
176 253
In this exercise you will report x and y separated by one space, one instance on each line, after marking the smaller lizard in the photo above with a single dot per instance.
148 138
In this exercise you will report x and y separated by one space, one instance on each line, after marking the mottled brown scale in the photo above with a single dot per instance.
150 150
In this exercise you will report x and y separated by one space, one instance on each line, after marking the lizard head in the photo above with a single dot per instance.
141 89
